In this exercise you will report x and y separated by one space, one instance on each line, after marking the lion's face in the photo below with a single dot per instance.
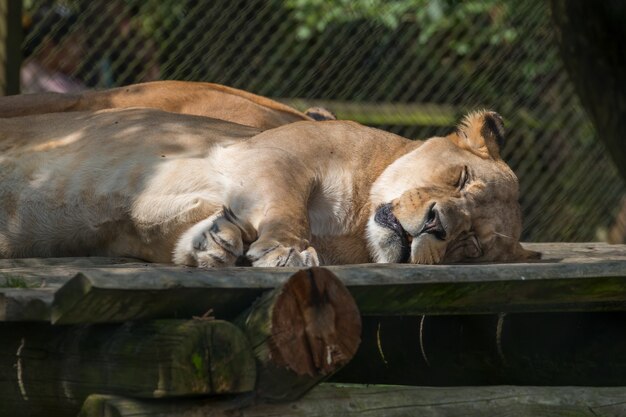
450 200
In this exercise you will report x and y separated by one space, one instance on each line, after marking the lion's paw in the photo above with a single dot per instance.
275 254
215 242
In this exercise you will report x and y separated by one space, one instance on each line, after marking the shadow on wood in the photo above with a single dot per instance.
587 349
49 370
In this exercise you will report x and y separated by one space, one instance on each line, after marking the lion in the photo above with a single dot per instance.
173 188
186 97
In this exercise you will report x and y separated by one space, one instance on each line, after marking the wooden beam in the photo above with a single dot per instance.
586 278
50 370
25 304
345 401
301 333
513 349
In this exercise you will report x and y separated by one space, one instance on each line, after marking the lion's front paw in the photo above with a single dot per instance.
215 242
275 254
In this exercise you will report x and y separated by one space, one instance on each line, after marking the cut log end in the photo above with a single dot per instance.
316 325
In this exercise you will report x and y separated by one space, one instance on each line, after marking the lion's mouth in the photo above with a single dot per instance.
431 225
384 217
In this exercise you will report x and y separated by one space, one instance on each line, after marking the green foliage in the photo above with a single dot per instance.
11 281
432 17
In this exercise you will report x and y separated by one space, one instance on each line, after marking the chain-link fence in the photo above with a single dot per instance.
412 67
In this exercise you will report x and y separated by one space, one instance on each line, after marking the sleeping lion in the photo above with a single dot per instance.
187 97
166 187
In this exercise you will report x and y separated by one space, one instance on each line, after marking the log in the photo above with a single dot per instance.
301 333
341 401
587 349
49 370
129 293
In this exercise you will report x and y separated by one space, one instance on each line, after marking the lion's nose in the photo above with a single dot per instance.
432 224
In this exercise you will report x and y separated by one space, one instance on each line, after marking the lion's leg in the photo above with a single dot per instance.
270 197
217 241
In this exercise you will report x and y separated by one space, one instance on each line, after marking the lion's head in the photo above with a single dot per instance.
453 199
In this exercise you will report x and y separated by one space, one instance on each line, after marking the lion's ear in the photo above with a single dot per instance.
320 114
481 132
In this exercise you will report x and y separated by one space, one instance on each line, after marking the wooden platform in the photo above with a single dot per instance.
559 321
570 277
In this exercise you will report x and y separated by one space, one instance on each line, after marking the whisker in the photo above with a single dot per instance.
500 234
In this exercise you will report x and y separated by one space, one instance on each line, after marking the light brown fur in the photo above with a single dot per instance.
186 97
167 187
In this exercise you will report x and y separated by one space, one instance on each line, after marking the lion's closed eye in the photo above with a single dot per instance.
456 176
464 178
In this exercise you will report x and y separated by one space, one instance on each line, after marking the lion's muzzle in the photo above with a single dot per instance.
384 217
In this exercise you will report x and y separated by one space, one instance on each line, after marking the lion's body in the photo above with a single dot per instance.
167 187
194 98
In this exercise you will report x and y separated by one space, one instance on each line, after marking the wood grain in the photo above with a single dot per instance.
301 333
359 400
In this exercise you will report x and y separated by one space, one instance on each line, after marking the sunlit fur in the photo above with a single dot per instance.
185 97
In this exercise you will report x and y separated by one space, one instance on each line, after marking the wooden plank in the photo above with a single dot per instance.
133 295
50 370
17 304
593 278
581 277
587 349
52 263
53 272
46 272
329 400
578 252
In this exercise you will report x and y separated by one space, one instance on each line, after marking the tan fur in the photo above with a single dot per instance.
167 187
195 98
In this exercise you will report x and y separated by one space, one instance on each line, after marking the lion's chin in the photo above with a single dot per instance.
426 249
386 247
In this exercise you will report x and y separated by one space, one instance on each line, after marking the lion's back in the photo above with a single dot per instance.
67 177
